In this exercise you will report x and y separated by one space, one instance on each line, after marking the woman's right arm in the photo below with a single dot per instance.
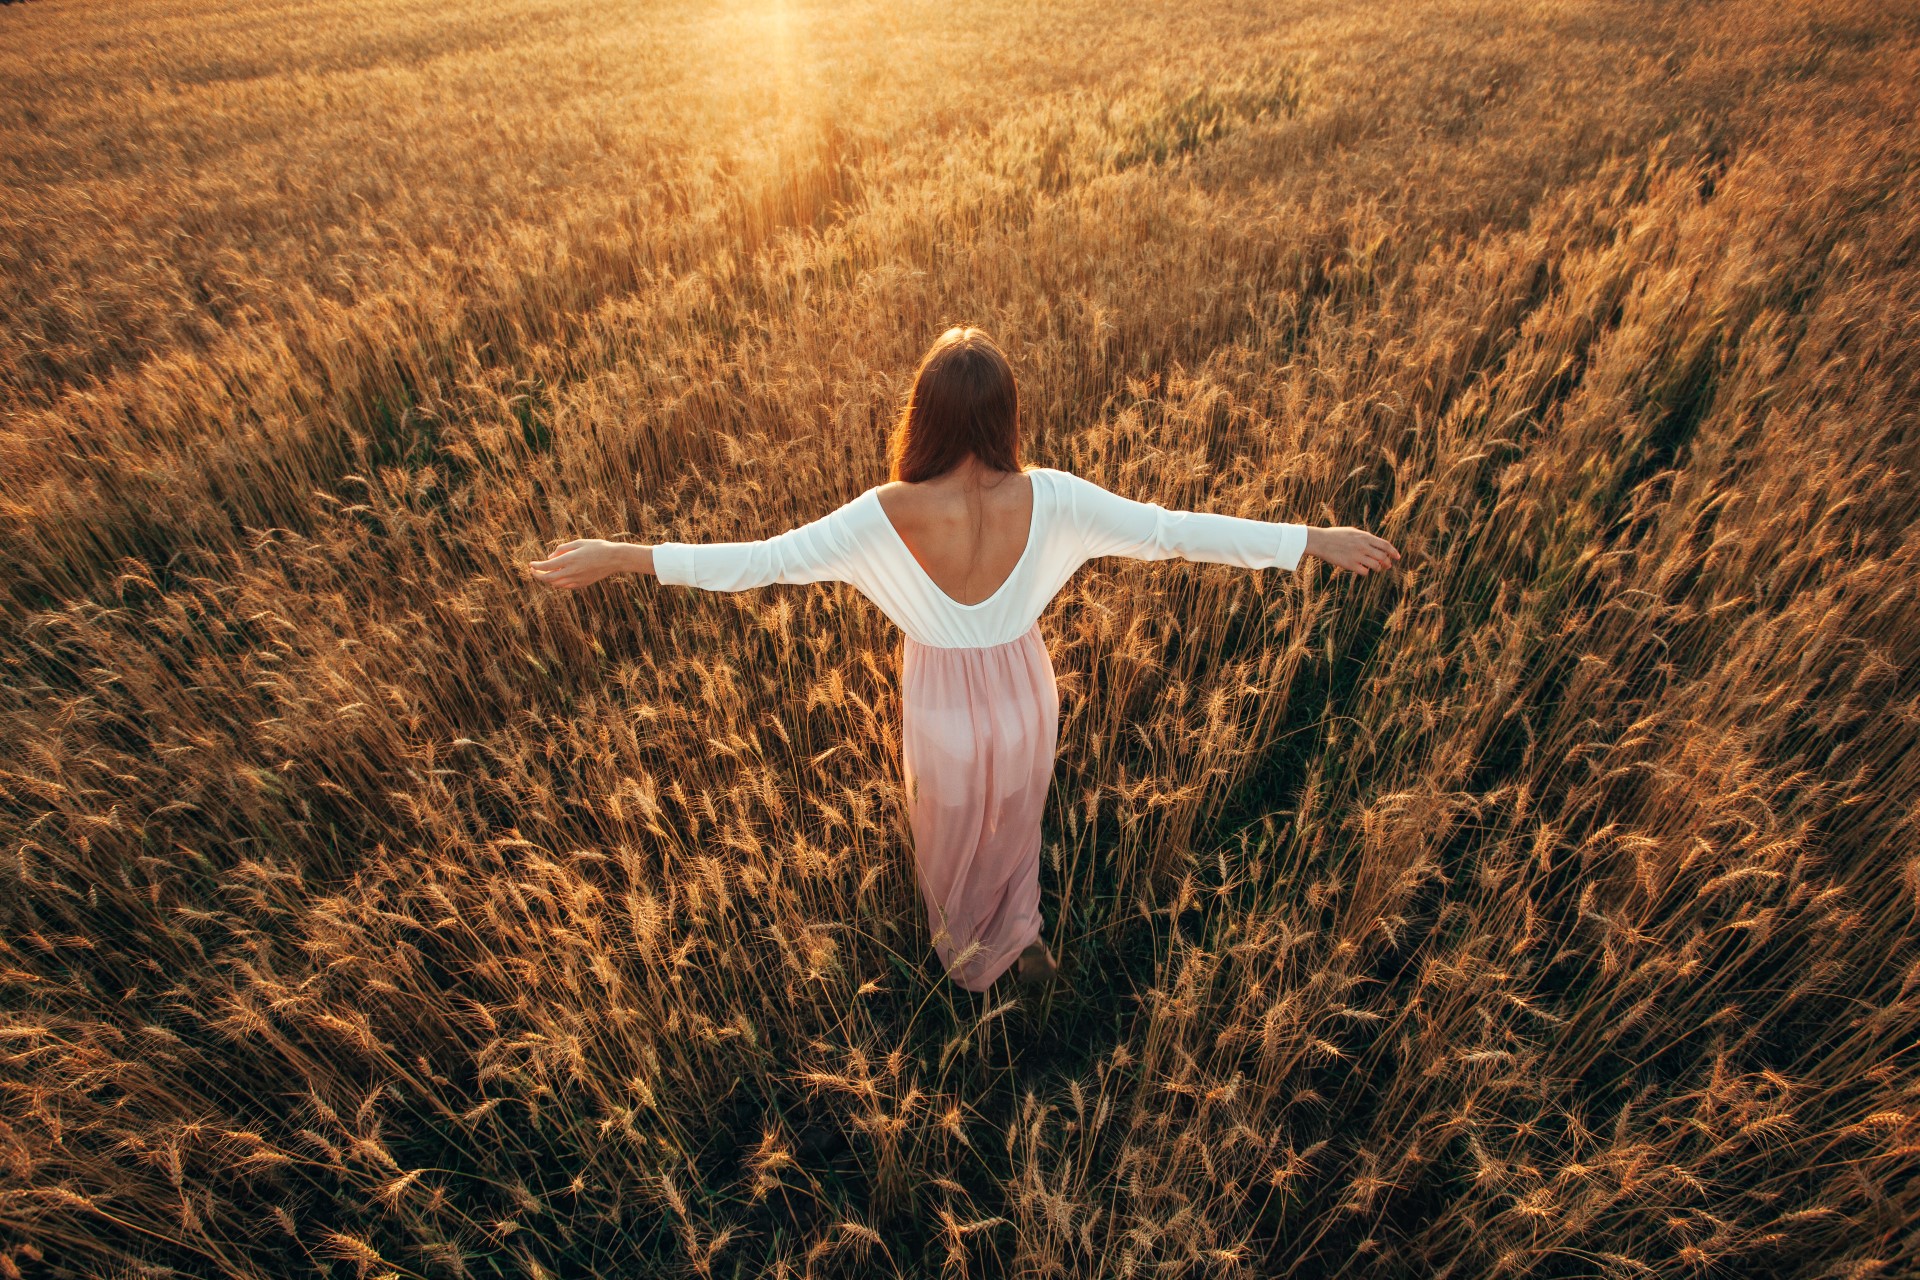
1113 525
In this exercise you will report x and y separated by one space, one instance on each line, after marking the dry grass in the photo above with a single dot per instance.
1547 908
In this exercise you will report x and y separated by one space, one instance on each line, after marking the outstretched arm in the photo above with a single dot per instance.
1115 526
1112 525
823 551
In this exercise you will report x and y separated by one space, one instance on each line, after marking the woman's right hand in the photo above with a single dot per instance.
1352 549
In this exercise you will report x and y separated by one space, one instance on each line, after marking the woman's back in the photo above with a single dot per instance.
967 528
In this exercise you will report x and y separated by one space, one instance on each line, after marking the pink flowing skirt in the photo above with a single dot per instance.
979 727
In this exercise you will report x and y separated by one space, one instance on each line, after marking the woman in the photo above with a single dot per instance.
963 550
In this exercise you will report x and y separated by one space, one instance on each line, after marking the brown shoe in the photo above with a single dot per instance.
1036 964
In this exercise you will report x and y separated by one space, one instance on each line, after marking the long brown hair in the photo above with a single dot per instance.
963 401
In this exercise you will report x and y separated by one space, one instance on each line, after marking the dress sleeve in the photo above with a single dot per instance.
826 550
1111 525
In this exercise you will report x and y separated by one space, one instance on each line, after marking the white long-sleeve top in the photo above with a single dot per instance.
1074 520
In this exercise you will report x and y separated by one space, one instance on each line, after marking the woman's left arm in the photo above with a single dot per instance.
826 550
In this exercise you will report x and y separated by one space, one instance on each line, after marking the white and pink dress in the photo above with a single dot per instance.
980 714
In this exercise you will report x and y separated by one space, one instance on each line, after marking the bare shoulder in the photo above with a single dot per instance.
906 495
896 496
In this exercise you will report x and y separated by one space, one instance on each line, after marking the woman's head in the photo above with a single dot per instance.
963 402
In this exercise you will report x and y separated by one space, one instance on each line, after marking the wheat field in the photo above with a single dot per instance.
1546 907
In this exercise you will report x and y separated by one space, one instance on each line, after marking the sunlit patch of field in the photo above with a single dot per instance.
1545 908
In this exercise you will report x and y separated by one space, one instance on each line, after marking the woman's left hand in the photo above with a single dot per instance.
580 563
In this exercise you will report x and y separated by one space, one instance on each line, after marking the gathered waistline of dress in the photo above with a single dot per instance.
1028 634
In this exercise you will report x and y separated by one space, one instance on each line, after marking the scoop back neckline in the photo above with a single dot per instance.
1026 552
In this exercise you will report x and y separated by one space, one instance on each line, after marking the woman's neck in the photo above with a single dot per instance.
970 473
